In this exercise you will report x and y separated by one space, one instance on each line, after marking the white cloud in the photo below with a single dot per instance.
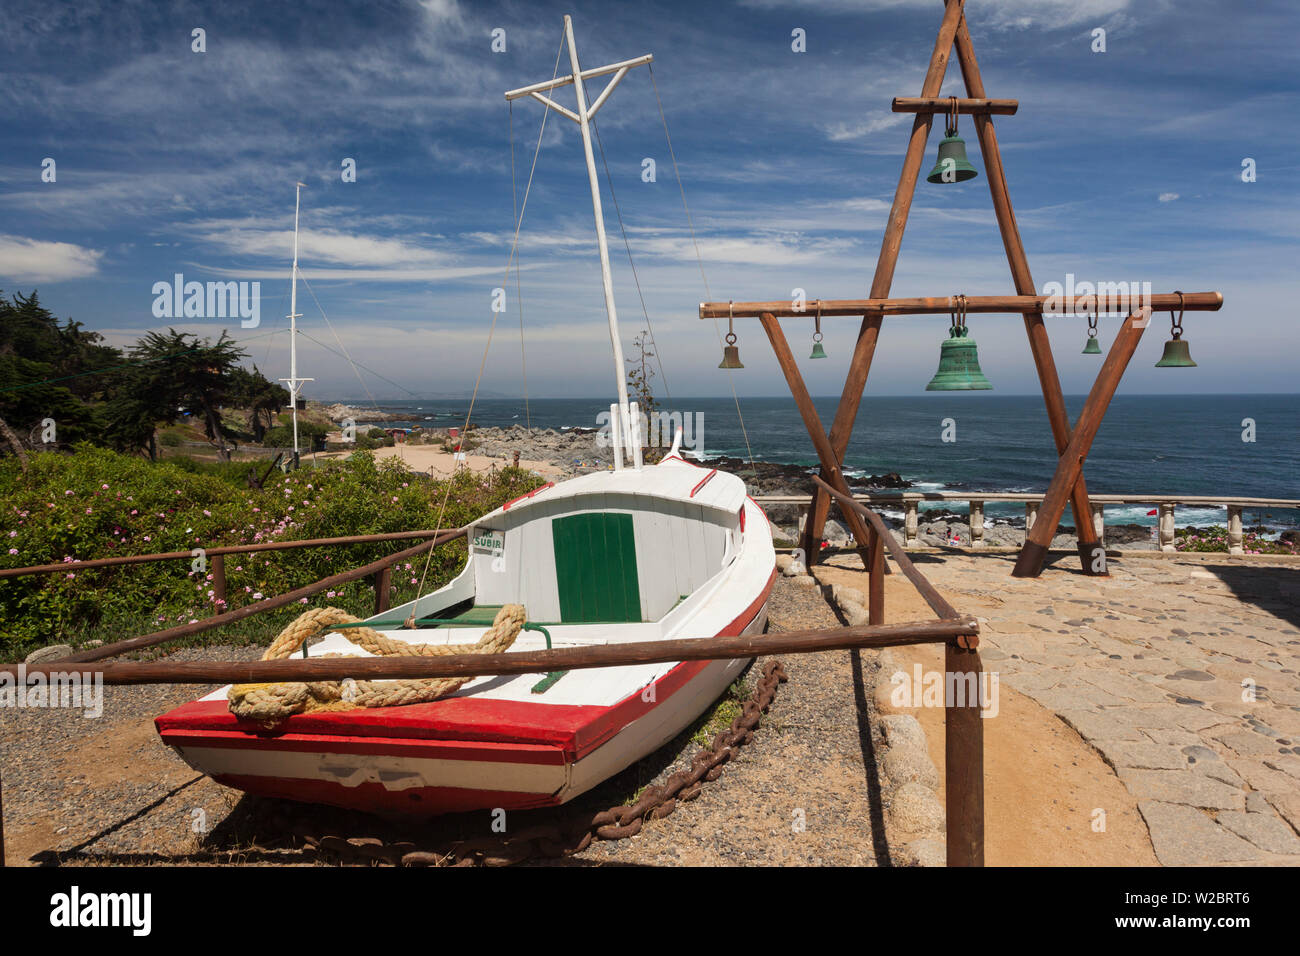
1168 197
34 260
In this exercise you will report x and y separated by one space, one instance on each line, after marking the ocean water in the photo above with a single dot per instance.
1148 444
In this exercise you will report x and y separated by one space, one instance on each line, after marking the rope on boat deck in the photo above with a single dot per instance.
269 704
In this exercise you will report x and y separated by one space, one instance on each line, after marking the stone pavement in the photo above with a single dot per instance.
1180 671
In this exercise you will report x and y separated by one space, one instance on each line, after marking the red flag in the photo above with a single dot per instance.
1153 511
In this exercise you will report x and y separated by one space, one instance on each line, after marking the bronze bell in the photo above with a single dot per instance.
1176 353
730 353
959 365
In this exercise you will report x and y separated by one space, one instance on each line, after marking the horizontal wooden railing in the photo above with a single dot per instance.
910 502
959 634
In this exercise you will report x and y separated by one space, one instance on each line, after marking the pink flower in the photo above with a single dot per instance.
13 550
105 487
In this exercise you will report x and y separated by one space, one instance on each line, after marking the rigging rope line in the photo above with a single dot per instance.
358 364
519 293
514 245
627 245
338 340
699 258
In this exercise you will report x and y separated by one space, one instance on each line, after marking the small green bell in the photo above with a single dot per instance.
959 365
818 351
1176 354
953 166
730 353
1093 347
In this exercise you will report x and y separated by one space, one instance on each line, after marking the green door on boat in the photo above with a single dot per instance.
595 568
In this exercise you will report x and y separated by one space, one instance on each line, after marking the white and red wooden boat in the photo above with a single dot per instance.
635 554
668 551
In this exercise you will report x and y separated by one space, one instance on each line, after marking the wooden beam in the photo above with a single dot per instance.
1039 344
1075 306
516 662
270 604
830 463
864 348
1034 552
943 104
963 747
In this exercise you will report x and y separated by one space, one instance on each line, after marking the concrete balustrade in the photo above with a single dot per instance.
1166 504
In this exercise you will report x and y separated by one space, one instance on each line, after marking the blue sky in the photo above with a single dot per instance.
1123 165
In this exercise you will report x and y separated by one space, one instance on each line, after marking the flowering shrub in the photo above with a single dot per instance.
97 503
1215 538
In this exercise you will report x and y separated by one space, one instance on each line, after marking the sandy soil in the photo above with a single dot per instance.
1042 782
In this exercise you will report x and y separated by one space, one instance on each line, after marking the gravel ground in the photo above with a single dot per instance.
106 791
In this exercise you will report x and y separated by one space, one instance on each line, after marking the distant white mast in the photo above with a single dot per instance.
295 383
583 118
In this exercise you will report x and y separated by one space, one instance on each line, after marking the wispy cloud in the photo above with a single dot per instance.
34 260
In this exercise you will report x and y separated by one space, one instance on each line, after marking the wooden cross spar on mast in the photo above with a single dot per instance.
1072 444
582 116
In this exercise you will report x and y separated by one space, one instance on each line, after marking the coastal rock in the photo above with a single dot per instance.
908 764
903 730
50 653
927 852
914 808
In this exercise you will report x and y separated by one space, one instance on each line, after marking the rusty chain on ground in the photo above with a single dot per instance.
567 838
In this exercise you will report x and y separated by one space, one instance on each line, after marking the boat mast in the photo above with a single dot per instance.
295 383
583 118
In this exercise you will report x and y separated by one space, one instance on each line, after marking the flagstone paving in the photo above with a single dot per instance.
1180 671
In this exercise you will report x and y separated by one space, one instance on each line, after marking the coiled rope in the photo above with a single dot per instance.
269 704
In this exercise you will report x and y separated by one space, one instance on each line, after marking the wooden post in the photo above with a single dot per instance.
1039 345
830 465
865 347
876 581
963 747
1034 553
219 582
383 580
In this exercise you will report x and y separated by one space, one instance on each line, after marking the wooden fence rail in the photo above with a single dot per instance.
959 634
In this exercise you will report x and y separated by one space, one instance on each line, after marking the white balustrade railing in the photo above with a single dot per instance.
910 501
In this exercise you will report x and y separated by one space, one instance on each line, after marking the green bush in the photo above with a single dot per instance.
97 503
281 436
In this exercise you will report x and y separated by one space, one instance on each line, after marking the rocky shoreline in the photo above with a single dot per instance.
577 451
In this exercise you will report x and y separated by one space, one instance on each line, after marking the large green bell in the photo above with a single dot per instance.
1093 347
953 166
1176 354
818 351
959 365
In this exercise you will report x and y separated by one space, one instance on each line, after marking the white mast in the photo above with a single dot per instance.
583 118
295 383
